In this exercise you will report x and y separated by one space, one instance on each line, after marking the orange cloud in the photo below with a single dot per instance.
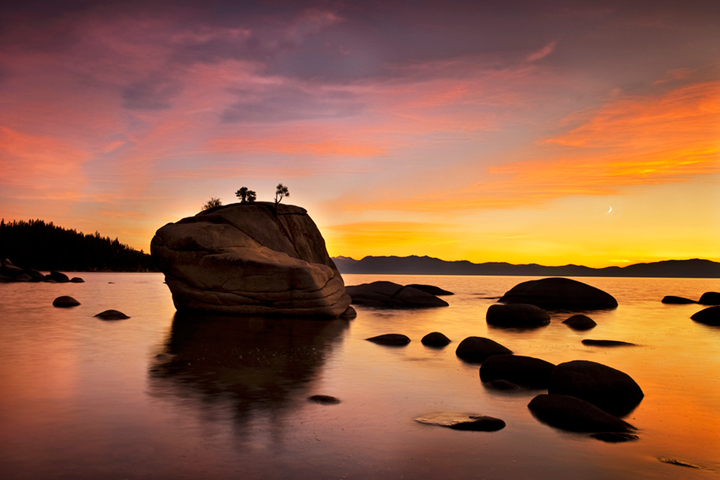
291 145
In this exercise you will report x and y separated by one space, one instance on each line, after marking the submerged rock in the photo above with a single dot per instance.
324 399
435 339
614 437
391 295
559 294
709 316
111 315
575 415
517 315
673 300
256 258
605 387
65 302
475 423
479 349
390 339
526 371
580 322
607 343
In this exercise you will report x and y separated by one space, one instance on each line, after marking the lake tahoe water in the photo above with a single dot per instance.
163 395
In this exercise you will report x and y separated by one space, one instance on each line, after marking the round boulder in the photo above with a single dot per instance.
77 280
709 316
390 339
605 387
673 300
559 294
710 298
524 371
575 415
111 315
517 315
435 339
384 294
479 349
580 322
58 277
65 302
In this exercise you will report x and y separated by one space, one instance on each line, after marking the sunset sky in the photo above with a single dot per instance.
518 131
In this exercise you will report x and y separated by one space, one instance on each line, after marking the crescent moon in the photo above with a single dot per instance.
609 210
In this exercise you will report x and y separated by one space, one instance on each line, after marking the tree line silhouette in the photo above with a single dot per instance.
45 246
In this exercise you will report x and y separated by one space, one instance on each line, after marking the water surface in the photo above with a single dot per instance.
180 396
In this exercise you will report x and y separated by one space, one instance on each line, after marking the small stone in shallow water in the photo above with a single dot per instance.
475 423
580 322
614 437
391 339
673 300
435 339
607 343
679 463
324 399
111 315
65 302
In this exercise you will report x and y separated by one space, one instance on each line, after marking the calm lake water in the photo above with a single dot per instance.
167 396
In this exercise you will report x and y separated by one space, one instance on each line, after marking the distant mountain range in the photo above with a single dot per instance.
414 265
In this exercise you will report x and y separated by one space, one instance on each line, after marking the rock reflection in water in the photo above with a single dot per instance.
251 365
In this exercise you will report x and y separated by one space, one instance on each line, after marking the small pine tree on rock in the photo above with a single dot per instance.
246 195
212 203
281 192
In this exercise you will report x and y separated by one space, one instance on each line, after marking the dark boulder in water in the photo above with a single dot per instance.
435 339
111 315
605 387
580 322
708 316
479 349
673 300
517 315
525 371
575 415
431 289
58 277
560 294
324 399
391 295
65 302
710 298
607 343
390 339
77 280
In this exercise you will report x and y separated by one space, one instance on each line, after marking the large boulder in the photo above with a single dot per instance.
250 259
479 349
710 298
517 315
525 371
560 294
605 387
575 415
391 295
708 316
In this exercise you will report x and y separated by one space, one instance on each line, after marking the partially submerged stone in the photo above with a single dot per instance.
479 349
580 322
560 294
525 371
517 315
606 343
65 302
324 399
435 339
390 339
250 259
111 315
431 289
475 423
708 316
614 437
673 300
575 415
384 294
710 298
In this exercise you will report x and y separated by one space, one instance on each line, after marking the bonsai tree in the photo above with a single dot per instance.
212 203
245 195
280 192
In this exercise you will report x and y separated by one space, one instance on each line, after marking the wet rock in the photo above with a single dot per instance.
517 315
65 302
607 343
431 289
525 371
475 423
435 339
77 280
23 277
672 299
559 294
580 322
605 387
349 314
708 316
111 315
710 298
324 399
390 339
479 349
58 277
614 437
575 415
34 275
391 295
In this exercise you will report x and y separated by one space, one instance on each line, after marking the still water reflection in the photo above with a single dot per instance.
162 395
